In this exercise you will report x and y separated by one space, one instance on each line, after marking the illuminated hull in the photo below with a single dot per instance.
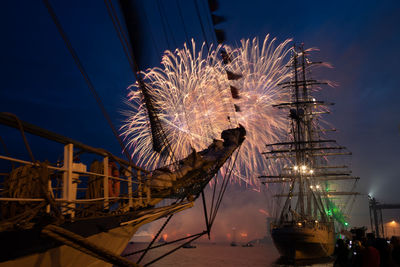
111 233
53 226
304 242
114 240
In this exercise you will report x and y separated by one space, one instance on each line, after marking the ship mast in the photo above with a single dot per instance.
305 151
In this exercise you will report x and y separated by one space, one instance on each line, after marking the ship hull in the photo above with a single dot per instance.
114 240
53 232
32 248
297 243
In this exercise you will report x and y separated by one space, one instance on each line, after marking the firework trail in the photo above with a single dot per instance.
194 101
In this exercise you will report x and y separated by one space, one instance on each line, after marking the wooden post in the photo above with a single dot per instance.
105 184
130 203
67 179
140 188
147 188
50 192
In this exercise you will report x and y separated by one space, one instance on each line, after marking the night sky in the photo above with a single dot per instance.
361 39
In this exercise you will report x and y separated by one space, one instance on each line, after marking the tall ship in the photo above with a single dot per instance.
315 185
82 207
68 213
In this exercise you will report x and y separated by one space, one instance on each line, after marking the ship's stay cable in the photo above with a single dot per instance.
155 238
125 43
201 24
175 249
113 15
213 209
121 35
150 31
149 247
210 24
157 235
213 205
164 244
205 213
213 195
349 204
21 129
350 207
163 25
193 237
6 152
4 147
208 50
167 23
223 188
135 69
176 45
167 26
84 75
82 244
221 195
188 43
183 22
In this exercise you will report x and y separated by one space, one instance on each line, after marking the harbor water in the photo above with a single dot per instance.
214 255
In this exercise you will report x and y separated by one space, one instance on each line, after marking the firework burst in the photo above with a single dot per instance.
189 92
263 68
194 102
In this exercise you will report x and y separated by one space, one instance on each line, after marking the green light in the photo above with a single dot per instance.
346 223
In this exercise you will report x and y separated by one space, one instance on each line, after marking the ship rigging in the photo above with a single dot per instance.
305 224
69 212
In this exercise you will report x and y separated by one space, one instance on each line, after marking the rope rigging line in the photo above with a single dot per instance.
121 35
188 43
125 43
7 153
84 75
183 21
82 244
166 26
351 199
221 193
149 247
205 213
98 100
201 24
167 23
155 238
135 69
151 32
209 124
164 244
163 25
214 205
113 15
214 37
21 129
213 195
219 200
175 249
234 76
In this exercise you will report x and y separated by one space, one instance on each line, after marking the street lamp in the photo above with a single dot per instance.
393 224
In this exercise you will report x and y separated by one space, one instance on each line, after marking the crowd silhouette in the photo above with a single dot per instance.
367 251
